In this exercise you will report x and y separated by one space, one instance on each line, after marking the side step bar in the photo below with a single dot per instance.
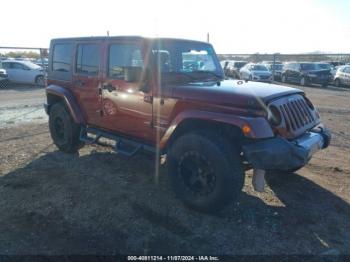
123 146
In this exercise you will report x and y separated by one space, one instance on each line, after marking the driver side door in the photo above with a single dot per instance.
126 95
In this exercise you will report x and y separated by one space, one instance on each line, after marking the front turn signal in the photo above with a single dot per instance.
246 129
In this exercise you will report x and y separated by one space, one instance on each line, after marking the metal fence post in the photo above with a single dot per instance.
273 67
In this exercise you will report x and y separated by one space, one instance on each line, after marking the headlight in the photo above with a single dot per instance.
274 115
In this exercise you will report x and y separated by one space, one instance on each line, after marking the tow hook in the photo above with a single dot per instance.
258 180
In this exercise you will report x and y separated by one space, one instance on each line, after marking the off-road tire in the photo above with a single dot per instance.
64 132
223 163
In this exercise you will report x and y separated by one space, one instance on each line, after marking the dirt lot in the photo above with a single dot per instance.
99 202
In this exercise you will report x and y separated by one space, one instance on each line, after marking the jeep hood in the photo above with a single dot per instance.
235 93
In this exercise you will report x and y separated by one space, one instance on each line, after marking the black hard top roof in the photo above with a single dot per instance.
131 38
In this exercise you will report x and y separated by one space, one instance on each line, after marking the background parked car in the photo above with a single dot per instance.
43 63
305 73
256 72
342 76
3 77
24 72
276 70
327 66
231 68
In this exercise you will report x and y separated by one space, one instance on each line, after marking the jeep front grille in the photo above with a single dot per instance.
297 115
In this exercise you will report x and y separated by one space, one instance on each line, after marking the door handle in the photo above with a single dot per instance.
109 87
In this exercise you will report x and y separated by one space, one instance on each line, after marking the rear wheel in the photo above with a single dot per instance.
64 132
205 172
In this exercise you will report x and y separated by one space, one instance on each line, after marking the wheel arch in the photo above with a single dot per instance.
228 125
57 94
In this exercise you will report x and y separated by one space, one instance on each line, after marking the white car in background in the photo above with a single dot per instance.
256 72
24 72
3 77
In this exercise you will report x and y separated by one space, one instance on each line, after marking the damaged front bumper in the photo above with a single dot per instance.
281 154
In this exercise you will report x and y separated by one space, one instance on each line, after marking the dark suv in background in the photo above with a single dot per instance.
305 73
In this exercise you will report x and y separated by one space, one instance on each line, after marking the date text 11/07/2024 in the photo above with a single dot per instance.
173 258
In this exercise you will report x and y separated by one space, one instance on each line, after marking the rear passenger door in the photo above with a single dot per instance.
22 73
86 79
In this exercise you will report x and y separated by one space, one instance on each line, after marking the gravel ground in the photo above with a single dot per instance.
98 202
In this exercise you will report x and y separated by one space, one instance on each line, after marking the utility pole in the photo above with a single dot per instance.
107 32
208 37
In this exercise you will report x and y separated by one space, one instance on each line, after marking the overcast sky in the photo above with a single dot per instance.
291 26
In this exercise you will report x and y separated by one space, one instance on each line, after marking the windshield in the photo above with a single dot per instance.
239 65
196 60
308 66
30 65
324 66
258 68
277 67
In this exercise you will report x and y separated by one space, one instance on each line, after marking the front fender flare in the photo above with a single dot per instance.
260 128
69 100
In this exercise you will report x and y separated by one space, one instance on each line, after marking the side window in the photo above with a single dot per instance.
347 70
125 62
61 60
88 59
18 66
6 65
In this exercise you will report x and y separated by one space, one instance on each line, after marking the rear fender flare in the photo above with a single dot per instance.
69 101
260 127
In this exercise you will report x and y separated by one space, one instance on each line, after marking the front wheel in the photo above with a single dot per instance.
64 132
40 81
337 82
205 172
303 81
284 79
